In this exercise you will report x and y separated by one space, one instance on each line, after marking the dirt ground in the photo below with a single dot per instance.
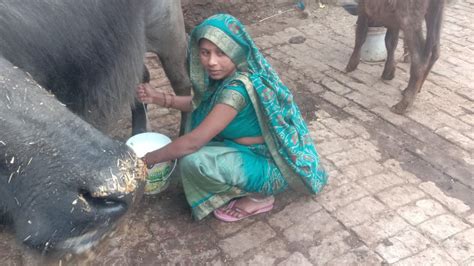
249 12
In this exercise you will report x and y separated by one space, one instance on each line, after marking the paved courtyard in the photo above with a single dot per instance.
400 187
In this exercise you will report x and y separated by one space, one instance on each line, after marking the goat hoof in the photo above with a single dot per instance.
350 68
399 108
388 75
406 92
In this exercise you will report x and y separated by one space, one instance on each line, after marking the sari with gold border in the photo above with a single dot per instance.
223 169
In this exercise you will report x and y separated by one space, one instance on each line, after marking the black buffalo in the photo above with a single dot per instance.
65 67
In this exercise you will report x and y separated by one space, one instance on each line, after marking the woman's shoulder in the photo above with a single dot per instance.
234 94
236 87
237 82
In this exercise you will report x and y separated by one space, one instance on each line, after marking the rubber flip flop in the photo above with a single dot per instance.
229 218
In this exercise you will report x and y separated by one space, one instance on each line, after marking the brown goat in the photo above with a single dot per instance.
407 15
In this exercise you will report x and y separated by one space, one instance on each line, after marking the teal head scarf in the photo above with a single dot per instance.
284 130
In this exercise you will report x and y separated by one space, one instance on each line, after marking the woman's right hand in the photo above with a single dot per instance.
147 162
145 93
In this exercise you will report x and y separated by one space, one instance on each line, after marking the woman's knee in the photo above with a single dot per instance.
189 163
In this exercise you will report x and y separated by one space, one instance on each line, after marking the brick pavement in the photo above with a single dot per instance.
400 187
386 200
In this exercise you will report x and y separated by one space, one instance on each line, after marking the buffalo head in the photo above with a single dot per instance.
63 184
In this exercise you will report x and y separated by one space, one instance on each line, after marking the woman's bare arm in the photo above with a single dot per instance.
182 103
218 119
146 94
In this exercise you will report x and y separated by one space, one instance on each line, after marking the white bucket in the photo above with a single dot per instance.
373 49
158 175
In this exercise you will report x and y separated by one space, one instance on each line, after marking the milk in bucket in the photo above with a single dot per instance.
158 175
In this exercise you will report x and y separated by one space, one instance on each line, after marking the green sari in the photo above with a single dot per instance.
223 169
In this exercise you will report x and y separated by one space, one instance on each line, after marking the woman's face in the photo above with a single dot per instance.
217 64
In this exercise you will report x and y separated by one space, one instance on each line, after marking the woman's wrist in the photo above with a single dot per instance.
171 102
158 99
165 100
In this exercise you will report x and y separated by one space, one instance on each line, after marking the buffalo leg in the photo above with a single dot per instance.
361 34
415 42
391 41
139 119
168 40
181 87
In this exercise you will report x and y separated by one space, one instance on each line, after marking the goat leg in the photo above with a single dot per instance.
433 35
391 41
415 42
361 34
